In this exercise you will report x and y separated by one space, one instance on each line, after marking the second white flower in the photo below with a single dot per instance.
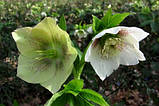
115 46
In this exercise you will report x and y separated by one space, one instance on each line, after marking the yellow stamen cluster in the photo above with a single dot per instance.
111 47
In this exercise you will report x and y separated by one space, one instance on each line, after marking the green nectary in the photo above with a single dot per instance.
46 54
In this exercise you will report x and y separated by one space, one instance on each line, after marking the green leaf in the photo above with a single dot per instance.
15 103
97 24
107 17
62 23
93 96
117 19
84 97
82 101
108 21
60 101
70 100
74 85
54 97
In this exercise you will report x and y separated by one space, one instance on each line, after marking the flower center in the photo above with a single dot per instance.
46 54
110 45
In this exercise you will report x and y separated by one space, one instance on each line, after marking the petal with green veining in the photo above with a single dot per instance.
46 54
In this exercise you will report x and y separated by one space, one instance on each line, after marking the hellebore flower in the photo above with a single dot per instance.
46 54
115 46
80 33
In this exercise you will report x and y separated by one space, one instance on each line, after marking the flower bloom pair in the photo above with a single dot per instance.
115 46
47 56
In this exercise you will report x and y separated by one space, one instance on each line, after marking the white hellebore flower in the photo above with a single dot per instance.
43 14
90 30
115 46
81 33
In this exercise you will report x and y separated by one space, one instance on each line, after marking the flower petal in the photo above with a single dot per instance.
128 56
34 71
54 33
54 83
102 66
113 30
88 53
38 71
23 41
37 63
134 45
137 33
43 36
139 54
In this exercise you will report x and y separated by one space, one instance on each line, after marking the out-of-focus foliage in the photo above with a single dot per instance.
136 85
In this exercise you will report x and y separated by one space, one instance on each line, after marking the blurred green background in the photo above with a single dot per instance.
134 85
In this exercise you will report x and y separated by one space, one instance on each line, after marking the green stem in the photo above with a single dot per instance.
82 62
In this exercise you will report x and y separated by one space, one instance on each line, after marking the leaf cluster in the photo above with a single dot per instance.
74 95
108 21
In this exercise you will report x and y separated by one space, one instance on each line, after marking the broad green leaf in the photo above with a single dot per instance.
97 24
68 99
74 85
107 17
59 101
117 19
54 97
62 23
80 101
108 21
93 96
84 97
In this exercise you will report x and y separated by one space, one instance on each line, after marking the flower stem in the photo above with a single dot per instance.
81 63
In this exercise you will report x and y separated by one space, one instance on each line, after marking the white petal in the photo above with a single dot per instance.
90 30
139 54
88 53
113 30
102 66
128 56
134 45
130 40
137 33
